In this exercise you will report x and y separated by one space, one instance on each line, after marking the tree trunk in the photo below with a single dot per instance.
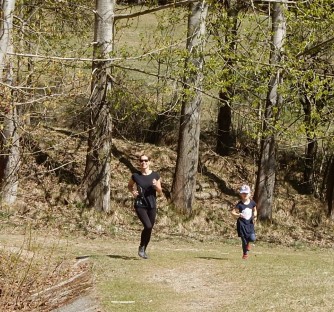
9 140
330 189
225 139
97 172
184 182
265 182
164 123
310 104
310 156
25 74
6 45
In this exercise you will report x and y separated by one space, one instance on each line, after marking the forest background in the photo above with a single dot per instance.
220 93
248 82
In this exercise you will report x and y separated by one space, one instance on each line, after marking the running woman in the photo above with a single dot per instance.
144 186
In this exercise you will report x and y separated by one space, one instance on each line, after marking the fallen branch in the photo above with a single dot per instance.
65 291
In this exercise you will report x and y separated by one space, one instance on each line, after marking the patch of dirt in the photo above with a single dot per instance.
204 289
85 303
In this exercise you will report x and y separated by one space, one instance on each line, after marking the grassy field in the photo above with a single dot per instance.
187 275
193 276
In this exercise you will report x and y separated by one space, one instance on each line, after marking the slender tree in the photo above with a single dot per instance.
184 182
9 140
330 188
265 182
225 140
312 109
316 84
97 172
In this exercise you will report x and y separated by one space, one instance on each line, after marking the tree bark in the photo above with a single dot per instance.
225 140
265 182
98 171
311 148
330 189
164 123
9 140
184 182
312 106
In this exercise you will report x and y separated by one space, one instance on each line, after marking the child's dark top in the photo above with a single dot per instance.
245 227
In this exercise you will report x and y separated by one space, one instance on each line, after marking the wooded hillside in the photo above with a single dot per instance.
220 93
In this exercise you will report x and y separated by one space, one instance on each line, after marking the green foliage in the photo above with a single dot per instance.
149 69
132 109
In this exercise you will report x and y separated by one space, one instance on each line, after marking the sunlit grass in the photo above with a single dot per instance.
188 275
213 277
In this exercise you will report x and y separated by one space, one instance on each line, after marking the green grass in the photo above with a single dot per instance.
187 275
200 277
194 276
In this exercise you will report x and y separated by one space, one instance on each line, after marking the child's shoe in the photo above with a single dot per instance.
245 257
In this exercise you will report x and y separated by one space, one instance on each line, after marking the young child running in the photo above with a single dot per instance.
245 211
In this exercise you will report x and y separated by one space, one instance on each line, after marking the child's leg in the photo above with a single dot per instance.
244 245
252 238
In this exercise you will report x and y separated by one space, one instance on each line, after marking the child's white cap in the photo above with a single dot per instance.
245 189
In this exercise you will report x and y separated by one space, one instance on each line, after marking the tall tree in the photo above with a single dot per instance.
225 141
265 182
184 182
9 140
330 188
97 172
312 107
315 82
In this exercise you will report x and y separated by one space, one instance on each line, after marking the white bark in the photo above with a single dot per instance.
6 44
9 140
98 171
265 183
10 158
184 183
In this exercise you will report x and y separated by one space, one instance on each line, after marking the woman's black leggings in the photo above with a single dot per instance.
147 218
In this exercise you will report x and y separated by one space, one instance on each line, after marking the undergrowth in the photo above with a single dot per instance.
51 201
27 271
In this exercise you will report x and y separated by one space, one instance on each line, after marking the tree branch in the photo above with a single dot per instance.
275 1
84 59
315 49
152 10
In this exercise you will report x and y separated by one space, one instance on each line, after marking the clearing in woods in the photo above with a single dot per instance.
187 275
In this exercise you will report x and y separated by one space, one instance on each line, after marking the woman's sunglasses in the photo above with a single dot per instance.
143 160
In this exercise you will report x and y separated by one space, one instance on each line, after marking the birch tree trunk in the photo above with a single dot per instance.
265 183
184 182
9 140
97 172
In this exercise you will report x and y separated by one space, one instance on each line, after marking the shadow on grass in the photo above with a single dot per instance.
109 256
122 257
212 258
